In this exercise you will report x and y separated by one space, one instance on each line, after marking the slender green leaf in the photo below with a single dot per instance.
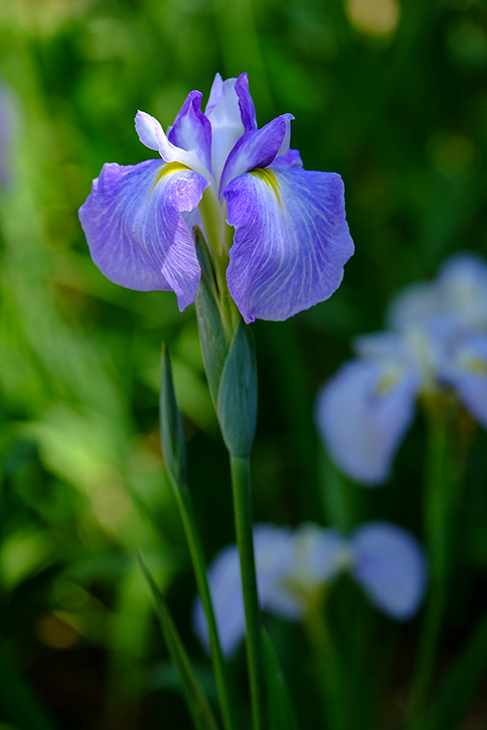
281 711
195 697
461 684
172 432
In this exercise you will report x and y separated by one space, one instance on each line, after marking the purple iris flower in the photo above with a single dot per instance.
294 566
290 240
437 344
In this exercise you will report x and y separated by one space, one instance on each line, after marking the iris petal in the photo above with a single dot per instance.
272 547
257 148
223 112
245 103
362 414
152 135
291 241
291 158
226 592
467 373
391 568
135 230
191 130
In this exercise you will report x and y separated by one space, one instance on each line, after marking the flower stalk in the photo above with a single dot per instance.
242 504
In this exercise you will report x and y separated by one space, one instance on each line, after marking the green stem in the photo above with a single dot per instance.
242 505
185 506
326 662
438 493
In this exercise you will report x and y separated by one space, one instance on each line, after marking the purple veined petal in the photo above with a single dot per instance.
362 414
467 373
135 230
390 567
245 103
151 134
226 592
256 149
291 241
223 111
292 159
191 130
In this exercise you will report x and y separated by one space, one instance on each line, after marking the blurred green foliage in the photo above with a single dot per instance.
394 98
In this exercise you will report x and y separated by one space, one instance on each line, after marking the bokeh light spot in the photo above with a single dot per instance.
373 17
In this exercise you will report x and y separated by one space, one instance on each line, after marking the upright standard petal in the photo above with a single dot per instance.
191 130
135 230
391 568
245 103
362 414
462 282
318 555
256 149
223 111
291 241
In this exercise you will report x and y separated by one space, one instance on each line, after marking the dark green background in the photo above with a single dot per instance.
402 116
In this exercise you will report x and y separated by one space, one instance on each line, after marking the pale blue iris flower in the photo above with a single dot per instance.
278 232
437 344
293 567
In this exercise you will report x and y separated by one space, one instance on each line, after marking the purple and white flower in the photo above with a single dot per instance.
291 238
437 344
294 566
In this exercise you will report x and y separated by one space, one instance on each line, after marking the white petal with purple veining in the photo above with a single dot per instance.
291 241
362 414
134 227
223 111
151 134
391 568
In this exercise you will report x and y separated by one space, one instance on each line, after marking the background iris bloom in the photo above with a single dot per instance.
437 343
293 566
291 238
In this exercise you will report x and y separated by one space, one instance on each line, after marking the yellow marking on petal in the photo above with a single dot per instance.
477 366
387 383
168 170
263 173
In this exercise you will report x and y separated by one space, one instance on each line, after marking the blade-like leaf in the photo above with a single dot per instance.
281 710
461 684
195 698
172 432
237 397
